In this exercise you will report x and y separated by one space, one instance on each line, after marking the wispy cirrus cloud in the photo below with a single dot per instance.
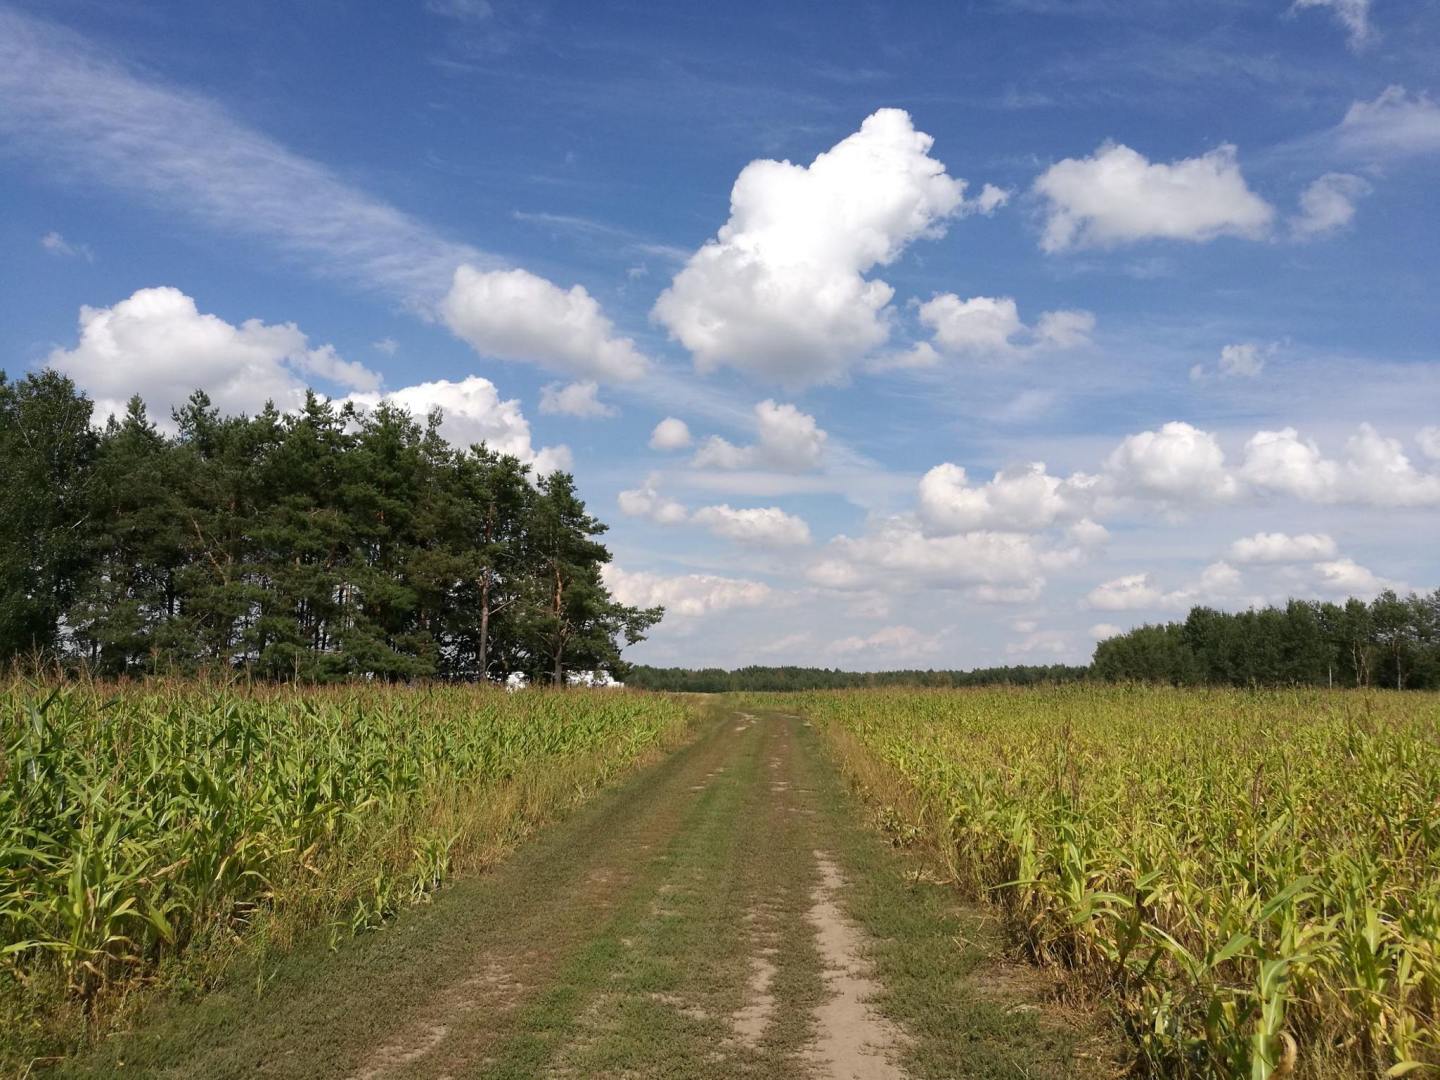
68 106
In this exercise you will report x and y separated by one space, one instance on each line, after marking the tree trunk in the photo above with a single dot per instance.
558 674
482 649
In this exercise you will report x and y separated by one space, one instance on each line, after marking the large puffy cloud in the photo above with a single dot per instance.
1007 566
1178 465
763 526
158 344
1182 463
1020 497
1138 592
991 326
1396 124
1277 547
515 315
1376 470
786 439
781 291
1328 204
1177 462
688 595
1346 577
981 324
1280 461
473 412
1117 196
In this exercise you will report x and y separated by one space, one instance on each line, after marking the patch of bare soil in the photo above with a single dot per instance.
753 1020
755 1017
854 1042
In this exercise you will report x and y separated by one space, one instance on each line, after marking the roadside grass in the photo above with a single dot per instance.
941 962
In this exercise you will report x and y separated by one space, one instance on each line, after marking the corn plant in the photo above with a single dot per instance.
1253 878
139 821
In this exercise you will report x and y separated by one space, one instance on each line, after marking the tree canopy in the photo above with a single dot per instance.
316 545
1393 641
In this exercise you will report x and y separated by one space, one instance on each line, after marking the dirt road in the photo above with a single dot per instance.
725 913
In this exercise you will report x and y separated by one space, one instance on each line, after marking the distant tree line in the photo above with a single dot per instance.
315 545
718 680
1393 641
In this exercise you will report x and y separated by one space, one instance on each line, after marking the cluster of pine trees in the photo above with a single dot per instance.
1394 641
756 678
316 545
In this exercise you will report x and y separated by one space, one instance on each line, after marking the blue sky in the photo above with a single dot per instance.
872 263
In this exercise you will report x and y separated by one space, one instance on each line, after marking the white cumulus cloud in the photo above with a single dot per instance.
1020 497
1118 196
991 326
157 343
687 595
515 315
1130 592
1376 470
1277 547
647 502
762 526
1088 533
581 399
670 434
897 552
1217 582
473 412
1346 577
1178 462
781 291
786 439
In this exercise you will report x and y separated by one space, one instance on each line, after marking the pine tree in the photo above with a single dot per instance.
123 619
573 620
47 452
312 545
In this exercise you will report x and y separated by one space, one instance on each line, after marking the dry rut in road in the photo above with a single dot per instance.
724 913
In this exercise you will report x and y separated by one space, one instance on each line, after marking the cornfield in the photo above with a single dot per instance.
140 824
1253 879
